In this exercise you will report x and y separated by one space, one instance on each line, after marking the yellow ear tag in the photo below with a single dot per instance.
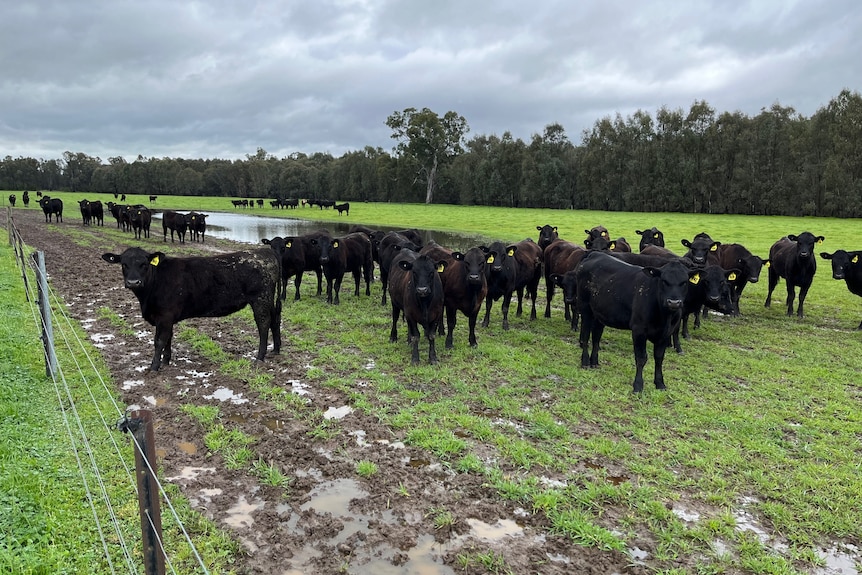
154 261
819 241
510 253
731 277
694 279
288 244
855 260
335 244
655 236
613 246
440 268
767 264
713 248
490 260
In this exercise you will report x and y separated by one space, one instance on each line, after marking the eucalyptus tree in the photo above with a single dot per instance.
429 139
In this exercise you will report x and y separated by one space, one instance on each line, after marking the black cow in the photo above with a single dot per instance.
350 253
702 249
197 224
711 287
97 212
117 211
464 286
561 257
140 219
648 301
311 243
547 235
416 290
52 207
173 289
390 244
26 199
654 250
846 266
12 200
651 236
176 222
510 269
292 257
345 207
598 238
793 259
86 212
737 256
153 199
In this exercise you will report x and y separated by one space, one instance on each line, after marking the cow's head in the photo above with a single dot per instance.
715 283
750 267
138 266
672 281
496 256
805 244
424 273
700 248
547 234
651 236
597 232
474 265
599 244
842 262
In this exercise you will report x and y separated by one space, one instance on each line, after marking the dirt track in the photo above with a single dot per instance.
331 520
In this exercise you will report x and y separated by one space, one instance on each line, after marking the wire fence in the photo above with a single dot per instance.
81 390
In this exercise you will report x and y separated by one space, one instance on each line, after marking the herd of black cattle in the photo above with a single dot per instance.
603 282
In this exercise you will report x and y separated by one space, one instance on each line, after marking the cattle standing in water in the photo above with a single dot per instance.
736 256
846 266
140 219
350 253
416 290
176 222
52 207
648 301
793 259
173 289
649 237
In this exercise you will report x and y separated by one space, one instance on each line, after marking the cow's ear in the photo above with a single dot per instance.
335 243
639 232
539 228
767 263
156 258
826 255
612 245
685 242
732 275
510 251
792 237
484 249
441 266
555 229
694 279
714 246
820 239
490 259
605 235
111 258
855 259
458 256
265 241
656 235
288 243
587 232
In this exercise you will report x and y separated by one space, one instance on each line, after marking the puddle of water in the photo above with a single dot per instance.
337 412
417 462
297 387
155 401
189 473
187 447
638 555
502 528
236 418
334 497
685 514
274 425
240 514
359 434
424 559
130 383
225 394
617 479
101 338
840 560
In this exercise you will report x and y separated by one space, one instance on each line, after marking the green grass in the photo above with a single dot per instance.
761 411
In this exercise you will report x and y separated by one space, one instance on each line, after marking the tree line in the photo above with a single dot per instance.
698 161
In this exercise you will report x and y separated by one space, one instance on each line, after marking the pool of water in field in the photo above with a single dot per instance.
251 229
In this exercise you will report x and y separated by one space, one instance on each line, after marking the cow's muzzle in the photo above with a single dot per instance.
132 284
674 303
423 291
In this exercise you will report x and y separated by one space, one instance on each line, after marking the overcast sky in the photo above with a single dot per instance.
221 78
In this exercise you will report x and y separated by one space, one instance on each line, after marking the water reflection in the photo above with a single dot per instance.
250 229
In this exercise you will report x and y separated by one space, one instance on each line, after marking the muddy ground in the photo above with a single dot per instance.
331 520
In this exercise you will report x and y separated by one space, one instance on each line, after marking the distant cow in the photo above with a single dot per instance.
153 199
509 271
173 289
349 253
117 211
92 212
140 219
52 207
648 301
702 249
846 266
12 200
737 256
561 257
416 290
26 199
292 256
793 259
598 238
464 286
547 235
176 222
197 224
651 236
345 207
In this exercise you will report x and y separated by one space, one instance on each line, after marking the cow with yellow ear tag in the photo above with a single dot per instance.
792 258
847 266
509 269
737 256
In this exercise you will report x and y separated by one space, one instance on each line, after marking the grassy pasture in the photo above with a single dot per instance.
761 417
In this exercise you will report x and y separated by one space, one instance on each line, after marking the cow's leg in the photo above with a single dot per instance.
297 281
413 340
451 319
369 277
773 281
584 337
487 321
162 345
337 288
357 279
639 344
683 325
507 301
685 333
319 273
520 309
431 336
275 326
263 312
384 282
471 322
658 356
803 291
571 312
393 333
549 288
532 293
441 329
697 315
791 295
597 330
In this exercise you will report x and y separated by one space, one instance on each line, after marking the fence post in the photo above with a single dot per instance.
45 309
140 424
